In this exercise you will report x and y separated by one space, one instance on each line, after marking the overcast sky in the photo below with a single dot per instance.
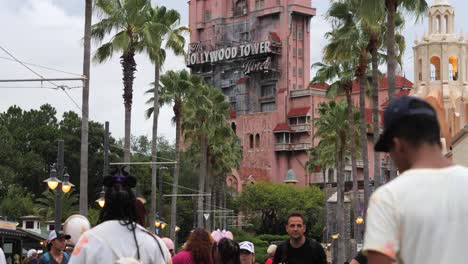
49 33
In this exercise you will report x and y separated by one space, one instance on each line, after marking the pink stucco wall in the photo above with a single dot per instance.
211 23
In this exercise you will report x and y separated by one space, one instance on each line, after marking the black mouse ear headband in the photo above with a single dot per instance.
120 176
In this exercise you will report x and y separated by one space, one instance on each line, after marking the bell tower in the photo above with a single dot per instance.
441 70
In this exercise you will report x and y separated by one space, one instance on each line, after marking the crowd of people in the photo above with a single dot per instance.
403 222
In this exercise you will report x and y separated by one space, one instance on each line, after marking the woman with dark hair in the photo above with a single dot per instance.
119 238
197 249
226 251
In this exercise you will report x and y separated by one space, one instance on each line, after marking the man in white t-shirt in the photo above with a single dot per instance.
422 215
119 239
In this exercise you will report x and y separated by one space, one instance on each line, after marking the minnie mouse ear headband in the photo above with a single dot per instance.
218 235
120 176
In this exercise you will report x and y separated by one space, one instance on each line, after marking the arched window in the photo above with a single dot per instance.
257 140
438 24
453 68
251 141
234 127
435 68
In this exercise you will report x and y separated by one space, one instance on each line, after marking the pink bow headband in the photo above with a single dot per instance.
218 235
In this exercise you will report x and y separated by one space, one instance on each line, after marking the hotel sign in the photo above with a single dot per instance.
198 56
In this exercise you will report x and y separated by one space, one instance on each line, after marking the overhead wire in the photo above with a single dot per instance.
61 87
139 152
43 67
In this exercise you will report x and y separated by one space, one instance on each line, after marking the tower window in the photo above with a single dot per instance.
251 141
453 68
437 24
435 68
257 140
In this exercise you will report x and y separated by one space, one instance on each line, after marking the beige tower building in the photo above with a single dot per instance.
441 70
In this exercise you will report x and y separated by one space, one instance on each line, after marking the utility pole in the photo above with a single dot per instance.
58 193
85 110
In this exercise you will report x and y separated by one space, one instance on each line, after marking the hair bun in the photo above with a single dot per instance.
120 176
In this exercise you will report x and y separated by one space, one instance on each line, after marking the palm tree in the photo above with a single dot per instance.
177 87
345 73
167 35
69 204
207 111
85 110
129 19
323 156
373 10
348 42
333 126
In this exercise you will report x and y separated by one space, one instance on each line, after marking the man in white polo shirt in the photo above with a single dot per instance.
422 215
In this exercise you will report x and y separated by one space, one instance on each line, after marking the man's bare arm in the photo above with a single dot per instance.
375 257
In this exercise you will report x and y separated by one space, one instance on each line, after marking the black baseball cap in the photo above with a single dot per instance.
399 108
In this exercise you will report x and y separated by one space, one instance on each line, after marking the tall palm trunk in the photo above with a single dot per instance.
208 188
127 60
353 156
363 61
201 180
224 195
327 227
391 6
178 117
340 219
375 112
154 145
85 110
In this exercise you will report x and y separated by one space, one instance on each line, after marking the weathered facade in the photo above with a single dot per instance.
257 53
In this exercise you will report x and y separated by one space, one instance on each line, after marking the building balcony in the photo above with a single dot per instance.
306 92
302 10
200 25
292 146
268 11
301 128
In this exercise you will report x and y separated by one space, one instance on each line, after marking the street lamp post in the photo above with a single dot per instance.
359 222
59 180
160 225
101 201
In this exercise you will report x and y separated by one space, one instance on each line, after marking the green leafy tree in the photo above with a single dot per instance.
17 202
45 204
268 206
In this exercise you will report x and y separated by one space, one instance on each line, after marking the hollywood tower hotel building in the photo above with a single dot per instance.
257 53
